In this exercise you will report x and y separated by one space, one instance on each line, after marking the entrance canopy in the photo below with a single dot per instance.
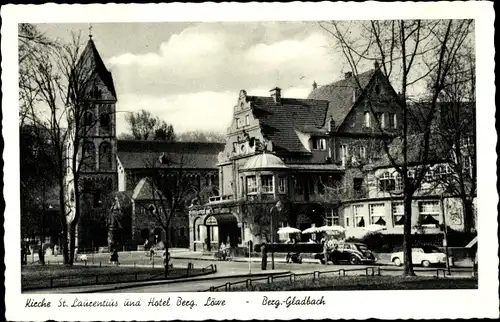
218 219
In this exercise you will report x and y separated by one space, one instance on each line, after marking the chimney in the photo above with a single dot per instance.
376 65
347 75
315 85
276 94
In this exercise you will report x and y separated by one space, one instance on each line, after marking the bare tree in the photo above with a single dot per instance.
456 132
407 53
63 83
172 187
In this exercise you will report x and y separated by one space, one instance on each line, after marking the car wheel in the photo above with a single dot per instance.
397 261
426 263
353 260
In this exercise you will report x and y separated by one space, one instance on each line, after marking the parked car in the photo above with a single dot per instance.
425 256
354 253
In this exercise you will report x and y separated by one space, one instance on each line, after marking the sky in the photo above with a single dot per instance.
190 74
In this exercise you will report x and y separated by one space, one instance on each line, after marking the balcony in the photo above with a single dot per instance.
219 199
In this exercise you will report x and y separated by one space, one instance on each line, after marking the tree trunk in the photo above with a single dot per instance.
468 215
64 243
72 242
407 243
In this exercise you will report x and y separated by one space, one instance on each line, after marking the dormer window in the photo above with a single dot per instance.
319 144
367 120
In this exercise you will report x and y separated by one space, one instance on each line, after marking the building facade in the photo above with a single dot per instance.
305 153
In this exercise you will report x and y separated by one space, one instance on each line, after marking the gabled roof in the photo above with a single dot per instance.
98 64
146 190
340 93
279 121
139 154
438 152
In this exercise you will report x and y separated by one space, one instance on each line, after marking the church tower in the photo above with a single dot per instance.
98 174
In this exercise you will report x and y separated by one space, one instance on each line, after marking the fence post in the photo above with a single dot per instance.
100 263
366 269
51 282
97 279
215 268
378 271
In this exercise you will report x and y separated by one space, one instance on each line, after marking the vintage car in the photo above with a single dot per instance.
354 253
425 256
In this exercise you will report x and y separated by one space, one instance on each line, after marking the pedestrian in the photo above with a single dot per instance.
222 251
325 249
263 251
166 258
151 253
114 257
56 250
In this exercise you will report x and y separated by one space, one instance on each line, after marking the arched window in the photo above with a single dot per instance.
88 156
367 121
105 121
88 118
105 156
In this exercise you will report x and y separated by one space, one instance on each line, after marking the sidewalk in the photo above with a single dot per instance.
111 287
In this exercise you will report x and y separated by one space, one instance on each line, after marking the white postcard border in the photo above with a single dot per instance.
348 304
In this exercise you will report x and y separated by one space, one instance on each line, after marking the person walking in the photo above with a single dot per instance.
114 258
325 249
263 250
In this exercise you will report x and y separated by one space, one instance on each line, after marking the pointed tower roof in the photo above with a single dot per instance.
90 52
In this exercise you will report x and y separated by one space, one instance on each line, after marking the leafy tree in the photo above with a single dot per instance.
201 136
144 126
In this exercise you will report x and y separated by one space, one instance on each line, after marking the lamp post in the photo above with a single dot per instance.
445 236
278 206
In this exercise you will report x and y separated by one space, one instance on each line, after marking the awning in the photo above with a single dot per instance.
472 243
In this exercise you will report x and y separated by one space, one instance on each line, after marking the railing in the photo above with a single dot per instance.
220 198
368 271
150 274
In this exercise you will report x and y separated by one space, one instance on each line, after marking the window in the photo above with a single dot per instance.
88 118
267 184
319 144
105 156
239 123
381 119
197 229
392 121
398 213
358 216
299 188
344 153
347 221
89 156
399 182
247 120
358 184
251 185
377 214
282 185
429 212
362 152
332 217
367 121
105 121
442 170
97 199
386 182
